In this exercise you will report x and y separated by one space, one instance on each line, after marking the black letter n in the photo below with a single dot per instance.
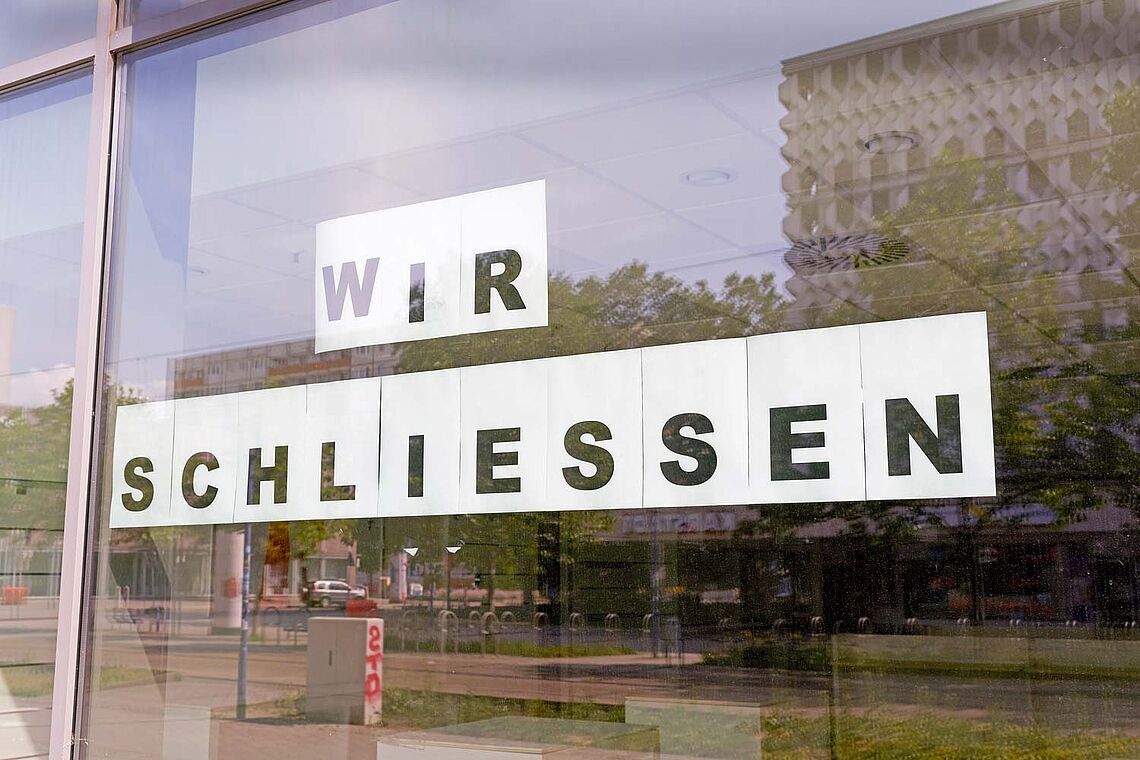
944 449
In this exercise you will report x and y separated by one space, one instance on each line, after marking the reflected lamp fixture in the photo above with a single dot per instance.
453 548
708 177
411 551
892 141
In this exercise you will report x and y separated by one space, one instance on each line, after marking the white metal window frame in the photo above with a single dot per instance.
113 37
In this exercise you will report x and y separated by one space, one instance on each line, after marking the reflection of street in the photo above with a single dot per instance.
202 671
27 651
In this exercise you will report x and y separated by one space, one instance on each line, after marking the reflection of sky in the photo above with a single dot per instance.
33 27
324 113
43 163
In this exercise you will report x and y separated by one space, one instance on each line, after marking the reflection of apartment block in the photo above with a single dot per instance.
1023 92
276 365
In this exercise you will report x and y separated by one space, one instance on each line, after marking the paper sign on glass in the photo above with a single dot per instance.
466 264
206 460
419 444
594 443
928 420
892 410
695 413
340 450
140 465
805 412
270 440
503 433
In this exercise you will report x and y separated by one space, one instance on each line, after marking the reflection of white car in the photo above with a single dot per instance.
415 589
327 594
358 592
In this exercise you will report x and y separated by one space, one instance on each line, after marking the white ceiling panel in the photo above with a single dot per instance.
212 217
207 273
755 164
325 195
285 248
571 263
753 223
464 167
636 129
656 239
755 101
575 198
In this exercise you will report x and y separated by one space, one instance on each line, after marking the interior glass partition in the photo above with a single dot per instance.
43 148
704 173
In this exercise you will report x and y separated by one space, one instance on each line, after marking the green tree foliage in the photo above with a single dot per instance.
33 459
629 308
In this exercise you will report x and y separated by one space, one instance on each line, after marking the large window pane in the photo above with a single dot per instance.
705 172
140 10
29 28
43 145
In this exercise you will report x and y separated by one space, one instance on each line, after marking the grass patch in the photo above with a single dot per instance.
413 709
529 649
782 734
1031 671
934 736
38 680
815 656
792 655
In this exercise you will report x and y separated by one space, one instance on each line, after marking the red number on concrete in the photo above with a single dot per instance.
372 684
372 687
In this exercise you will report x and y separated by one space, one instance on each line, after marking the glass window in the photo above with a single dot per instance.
29 28
43 161
140 10
897 519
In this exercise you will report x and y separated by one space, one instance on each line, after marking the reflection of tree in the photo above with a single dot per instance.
628 308
1083 451
300 540
1072 425
1065 389
965 247
33 459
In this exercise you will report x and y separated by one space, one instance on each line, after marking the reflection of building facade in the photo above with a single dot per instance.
275 365
1011 106
1024 93
1018 101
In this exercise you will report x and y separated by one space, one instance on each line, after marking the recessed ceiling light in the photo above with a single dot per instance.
708 177
891 142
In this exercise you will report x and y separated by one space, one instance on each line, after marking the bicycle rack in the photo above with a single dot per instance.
541 622
577 623
489 626
647 632
448 626
611 628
